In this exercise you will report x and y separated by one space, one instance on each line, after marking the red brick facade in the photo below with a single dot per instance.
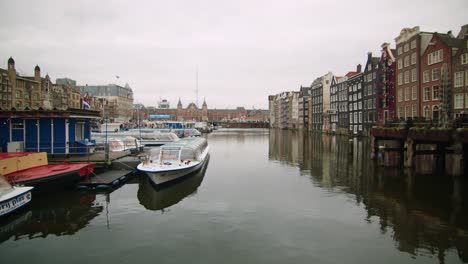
436 69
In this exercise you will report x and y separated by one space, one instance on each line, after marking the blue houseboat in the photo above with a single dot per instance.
51 131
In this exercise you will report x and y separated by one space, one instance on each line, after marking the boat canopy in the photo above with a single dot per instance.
184 149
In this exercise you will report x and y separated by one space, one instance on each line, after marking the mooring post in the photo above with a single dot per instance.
410 152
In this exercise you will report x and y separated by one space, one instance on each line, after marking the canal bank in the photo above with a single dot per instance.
266 196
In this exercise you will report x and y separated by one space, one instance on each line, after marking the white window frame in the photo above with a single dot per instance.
426 76
458 79
435 77
413 58
426 94
434 97
413 75
464 58
414 93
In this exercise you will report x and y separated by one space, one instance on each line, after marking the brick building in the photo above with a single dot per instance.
410 44
354 84
386 86
460 74
369 87
436 68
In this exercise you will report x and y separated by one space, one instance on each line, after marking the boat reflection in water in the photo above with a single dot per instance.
154 198
426 214
55 214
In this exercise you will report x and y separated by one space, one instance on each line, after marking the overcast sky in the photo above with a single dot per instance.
244 49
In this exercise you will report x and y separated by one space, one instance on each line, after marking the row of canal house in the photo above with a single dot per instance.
424 77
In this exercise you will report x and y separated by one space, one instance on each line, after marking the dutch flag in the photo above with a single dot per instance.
86 104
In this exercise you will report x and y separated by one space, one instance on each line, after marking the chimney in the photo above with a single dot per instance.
358 69
463 32
369 55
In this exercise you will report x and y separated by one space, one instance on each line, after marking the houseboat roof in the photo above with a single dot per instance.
40 113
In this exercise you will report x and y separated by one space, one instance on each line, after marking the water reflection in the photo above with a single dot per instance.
425 214
55 214
156 198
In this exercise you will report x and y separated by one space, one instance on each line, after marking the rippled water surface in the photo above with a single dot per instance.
265 197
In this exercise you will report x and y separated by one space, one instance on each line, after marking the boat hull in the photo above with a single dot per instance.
14 200
164 177
51 177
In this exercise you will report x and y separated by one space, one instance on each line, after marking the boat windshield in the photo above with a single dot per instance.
5 186
170 154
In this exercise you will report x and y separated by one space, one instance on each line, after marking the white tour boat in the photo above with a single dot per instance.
12 198
175 160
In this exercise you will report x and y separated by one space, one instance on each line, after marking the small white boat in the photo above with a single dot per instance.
175 160
146 137
12 198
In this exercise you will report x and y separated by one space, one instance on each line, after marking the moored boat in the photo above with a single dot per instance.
12 198
175 160
32 169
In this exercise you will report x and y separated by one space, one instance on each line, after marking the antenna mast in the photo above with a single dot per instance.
196 90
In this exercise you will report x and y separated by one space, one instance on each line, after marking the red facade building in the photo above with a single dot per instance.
436 70
386 86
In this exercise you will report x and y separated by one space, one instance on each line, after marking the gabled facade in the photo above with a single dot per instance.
355 102
460 75
317 104
410 45
386 86
334 103
369 92
304 95
293 106
320 101
436 67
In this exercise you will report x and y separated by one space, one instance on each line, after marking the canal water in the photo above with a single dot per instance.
265 197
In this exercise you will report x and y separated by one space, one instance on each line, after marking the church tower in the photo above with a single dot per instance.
204 111
12 77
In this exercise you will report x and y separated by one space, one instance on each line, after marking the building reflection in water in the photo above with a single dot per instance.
424 213
156 198
55 214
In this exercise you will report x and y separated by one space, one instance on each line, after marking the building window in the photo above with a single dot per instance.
413 75
407 94
414 111
19 94
466 77
427 93
413 58
413 44
464 58
435 92
426 76
458 79
458 101
434 57
435 74
407 58
406 47
426 112
400 51
414 93
407 111
407 76
400 64
400 111
400 94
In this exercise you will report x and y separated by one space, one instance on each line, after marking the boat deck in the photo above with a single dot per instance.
98 158
110 179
